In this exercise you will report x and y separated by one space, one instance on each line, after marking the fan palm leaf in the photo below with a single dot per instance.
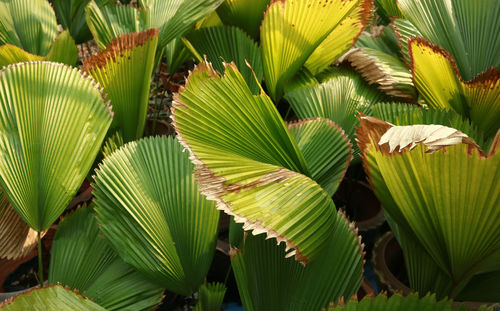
149 208
83 260
53 297
310 33
243 14
53 123
248 161
124 70
447 201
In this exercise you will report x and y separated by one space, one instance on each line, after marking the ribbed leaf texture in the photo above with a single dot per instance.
397 302
405 31
53 121
71 15
390 8
468 30
244 14
28 24
63 50
211 297
124 70
53 297
338 98
149 208
440 189
82 259
307 32
248 161
229 44
437 78
17 239
267 281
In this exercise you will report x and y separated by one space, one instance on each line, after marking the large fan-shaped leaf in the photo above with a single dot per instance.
447 200
338 98
397 302
28 24
71 15
53 121
294 32
83 260
390 8
468 30
267 281
405 31
244 14
50 298
149 207
109 22
17 239
250 164
229 44
124 69
63 50
437 78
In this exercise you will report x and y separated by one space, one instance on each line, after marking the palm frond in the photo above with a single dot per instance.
243 14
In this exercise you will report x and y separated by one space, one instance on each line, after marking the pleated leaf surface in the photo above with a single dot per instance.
296 31
28 24
437 78
229 44
247 160
124 70
446 200
53 297
53 121
83 260
267 281
149 208
211 297
244 14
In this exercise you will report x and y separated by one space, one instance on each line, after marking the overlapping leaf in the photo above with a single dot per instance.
397 302
53 297
53 121
229 44
437 78
211 297
249 163
28 24
308 32
446 200
244 14
149 208
83 260
267 281
124 70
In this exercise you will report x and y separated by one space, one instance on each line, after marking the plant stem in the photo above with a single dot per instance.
40 261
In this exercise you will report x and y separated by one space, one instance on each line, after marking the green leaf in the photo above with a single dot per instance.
28 24
310 33
53 123
468 30
53 297
446 199
229 44
397 302
437 79
71 16
149 208
176 54
247 160
109 22
339 97
267 281
124 70
390 8
211 297
404 31
244 14
63 50
82 259
327 166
